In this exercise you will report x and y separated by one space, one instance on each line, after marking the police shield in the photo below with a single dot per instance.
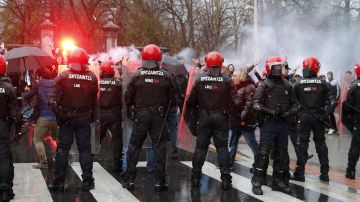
126 70
189 116
347 116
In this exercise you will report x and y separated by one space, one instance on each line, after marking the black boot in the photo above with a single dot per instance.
56 186
195 180
11 194
160 185
129 182
260 167
350 173
88 184
324 176
278 183
299 174
226 181
257 182
5 196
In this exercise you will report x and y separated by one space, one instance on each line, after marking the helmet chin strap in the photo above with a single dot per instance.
214 71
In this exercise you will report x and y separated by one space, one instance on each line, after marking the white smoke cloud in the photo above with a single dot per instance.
117 54
297 36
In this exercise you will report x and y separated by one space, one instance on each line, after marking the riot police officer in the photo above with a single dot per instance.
9 112
148 95
317 101
74 103
213 93
110 110
353 102
273 98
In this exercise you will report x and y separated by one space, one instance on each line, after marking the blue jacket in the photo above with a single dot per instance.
42 91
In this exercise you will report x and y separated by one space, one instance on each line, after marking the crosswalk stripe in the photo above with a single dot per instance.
243 184
107 188
314 185
29 184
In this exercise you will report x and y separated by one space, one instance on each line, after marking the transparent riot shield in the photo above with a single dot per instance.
345 119
127 69
186 140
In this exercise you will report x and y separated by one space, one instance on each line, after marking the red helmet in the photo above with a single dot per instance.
357 68
272 60
151 52
214 59
2 65
151 56
106 67
78 59
312 63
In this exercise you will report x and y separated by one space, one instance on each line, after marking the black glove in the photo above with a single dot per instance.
130 112
285 115
328 111
275 113
243 115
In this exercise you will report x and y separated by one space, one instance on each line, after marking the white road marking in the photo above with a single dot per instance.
29 184
243 184
107 188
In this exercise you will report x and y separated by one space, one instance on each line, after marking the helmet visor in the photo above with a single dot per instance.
277 69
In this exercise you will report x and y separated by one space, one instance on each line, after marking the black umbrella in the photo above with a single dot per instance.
27 58
174 66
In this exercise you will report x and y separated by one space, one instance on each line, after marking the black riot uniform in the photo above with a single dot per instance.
147 97
74 102
316 100
353 102
213 93
9 112
110 115
274 99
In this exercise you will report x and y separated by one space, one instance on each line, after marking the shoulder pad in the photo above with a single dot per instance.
355 83
5 79
287 83
268 83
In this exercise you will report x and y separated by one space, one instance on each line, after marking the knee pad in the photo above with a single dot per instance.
264 149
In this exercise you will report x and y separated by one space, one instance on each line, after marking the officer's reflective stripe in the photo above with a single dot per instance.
310 81
152 72
243 184
80 77
107 82
209 78
107 188
29 184
332 189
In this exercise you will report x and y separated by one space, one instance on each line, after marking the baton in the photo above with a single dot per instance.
164 122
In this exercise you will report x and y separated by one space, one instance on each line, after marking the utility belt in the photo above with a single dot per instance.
314 111
215 111
113 110
71 114
153 109
274 119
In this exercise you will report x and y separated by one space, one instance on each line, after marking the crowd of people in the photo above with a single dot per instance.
224 103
